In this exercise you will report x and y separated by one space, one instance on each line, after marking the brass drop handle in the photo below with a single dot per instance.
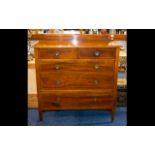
57 67
96 82
57 54
58 82
97 53
96 66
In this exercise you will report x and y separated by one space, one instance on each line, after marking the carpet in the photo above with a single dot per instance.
78 118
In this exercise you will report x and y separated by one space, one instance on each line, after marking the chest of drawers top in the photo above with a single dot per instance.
75 43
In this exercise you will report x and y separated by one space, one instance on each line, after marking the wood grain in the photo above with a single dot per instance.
77 65
77 80
57 53
71 101
97 53
68 37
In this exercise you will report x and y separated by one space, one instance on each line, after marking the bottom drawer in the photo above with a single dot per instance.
52 101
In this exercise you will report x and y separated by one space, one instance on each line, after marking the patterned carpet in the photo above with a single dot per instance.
78 118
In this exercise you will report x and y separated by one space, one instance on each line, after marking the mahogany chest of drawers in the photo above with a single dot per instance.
76 75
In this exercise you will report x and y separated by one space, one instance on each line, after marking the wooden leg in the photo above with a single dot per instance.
112 114
40 115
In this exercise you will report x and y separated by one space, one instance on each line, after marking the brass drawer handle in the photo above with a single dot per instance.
96 66
97 53
58 99
57 67
57 82
57 54
95 99
96 82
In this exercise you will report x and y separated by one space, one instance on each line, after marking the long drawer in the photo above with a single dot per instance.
87 65
71 101
78 80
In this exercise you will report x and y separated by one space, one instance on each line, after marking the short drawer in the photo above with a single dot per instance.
97 53
81 65
76 80
57 53
53 101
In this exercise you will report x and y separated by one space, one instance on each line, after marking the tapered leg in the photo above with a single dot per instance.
112 114
40 115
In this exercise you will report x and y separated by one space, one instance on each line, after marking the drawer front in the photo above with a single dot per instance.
77 65
57 53
98 53
53 101
76 80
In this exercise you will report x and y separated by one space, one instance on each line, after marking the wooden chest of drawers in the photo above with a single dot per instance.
76 76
